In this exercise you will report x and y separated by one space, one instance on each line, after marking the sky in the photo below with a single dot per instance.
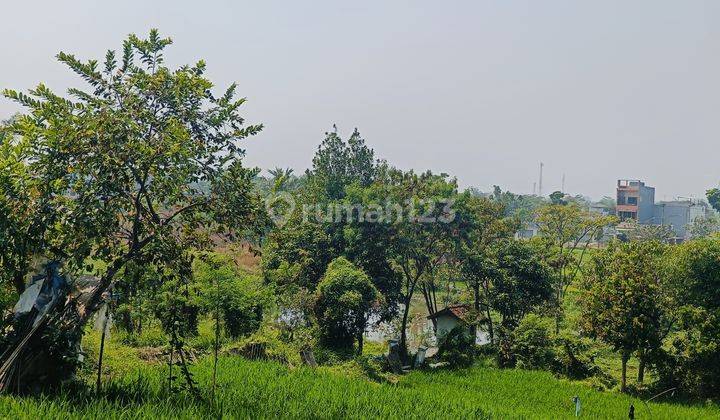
482 90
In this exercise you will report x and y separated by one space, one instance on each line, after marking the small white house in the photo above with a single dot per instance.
451 317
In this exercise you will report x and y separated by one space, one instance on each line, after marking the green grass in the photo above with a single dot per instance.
250 389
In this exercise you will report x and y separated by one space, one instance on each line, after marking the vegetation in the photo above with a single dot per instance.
345 301
223 306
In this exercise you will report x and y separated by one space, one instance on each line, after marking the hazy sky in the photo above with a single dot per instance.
483 90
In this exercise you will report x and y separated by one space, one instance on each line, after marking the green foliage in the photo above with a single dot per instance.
703 227
297 253
520 207
345 299
713 197
558 198
643 232
575 356
532 346
565 234
338 164
625 301
691 360
457 347
241 298
522 282
143 164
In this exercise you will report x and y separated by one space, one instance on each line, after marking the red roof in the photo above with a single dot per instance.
457 311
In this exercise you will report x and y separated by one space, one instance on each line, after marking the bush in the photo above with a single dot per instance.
531 345
457 348
345 299
575 356
240 297
691 362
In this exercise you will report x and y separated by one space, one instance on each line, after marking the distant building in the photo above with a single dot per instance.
601 209
679 214
635 201
530 230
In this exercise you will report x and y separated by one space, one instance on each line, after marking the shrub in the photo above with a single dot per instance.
574 356
457 348
345 299
240 297
531 345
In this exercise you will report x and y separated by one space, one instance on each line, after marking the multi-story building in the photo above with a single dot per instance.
635 201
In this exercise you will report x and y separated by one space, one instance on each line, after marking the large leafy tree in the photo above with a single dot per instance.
143 163
625 300
521 284
566 231
693 348
482 225
423 223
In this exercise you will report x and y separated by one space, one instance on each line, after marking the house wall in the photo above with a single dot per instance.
678 214
445 324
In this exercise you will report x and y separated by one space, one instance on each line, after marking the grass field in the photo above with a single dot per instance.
254 389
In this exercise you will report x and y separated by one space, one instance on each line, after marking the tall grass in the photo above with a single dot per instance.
250 389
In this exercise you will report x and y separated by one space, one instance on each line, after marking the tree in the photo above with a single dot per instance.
566 232
704 226
338 164
658 233
345 300
521 207
423 224
142 165
693 355
483 225
522 282
325 224
240 298
624 300
26 218
558 198
713 197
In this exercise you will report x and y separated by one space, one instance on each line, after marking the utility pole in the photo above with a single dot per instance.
540 182
563 184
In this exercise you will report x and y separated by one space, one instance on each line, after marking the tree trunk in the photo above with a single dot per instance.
360 344
486 290
558 311
641 366
428 294
623 383
490 325
476 306
403 330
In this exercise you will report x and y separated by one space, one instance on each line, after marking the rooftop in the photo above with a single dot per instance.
457 311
